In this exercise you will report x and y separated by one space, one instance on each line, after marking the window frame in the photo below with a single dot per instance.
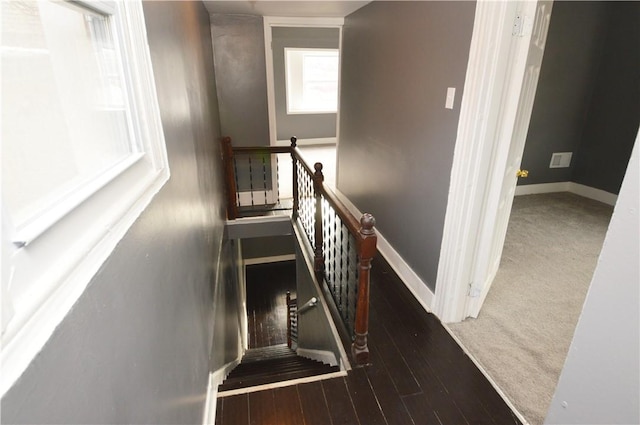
288 79
48 263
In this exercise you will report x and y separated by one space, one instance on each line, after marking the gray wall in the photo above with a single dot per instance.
228 311
135 347
270 246
614 114
588 98
314 331
569 71
396 137
238 50
303 126
600 381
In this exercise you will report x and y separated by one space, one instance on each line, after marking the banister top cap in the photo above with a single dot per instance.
318 166
367 221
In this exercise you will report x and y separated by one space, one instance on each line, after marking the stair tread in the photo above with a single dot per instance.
241 373
276 363
269 379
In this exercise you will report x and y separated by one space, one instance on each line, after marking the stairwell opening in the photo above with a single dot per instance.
269 267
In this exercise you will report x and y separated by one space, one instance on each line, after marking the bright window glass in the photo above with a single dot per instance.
311 80
65 117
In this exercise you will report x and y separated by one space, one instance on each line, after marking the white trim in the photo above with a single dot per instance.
482 370
276 21
272 259
489 73
532 189
210 404
572 187
322 356
57 268
281 384
593 193
409 277
34 227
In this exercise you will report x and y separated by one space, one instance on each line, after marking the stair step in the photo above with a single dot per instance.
261 380
291 367
268 365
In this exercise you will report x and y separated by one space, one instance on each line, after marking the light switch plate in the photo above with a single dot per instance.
451 95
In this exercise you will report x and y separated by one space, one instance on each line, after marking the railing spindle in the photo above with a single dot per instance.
294 164
318 178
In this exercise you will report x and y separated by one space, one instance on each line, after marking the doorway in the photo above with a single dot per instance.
547 231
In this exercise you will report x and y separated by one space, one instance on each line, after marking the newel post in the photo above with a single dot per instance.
318 259
229 175
366 250
294 164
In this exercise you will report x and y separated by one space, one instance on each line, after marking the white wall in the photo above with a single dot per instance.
600 382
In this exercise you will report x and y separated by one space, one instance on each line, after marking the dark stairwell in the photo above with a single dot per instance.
269 361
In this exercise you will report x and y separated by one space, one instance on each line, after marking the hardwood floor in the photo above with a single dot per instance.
267 286
417 375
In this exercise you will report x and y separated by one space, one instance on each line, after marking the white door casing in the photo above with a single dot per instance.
511 141
495 108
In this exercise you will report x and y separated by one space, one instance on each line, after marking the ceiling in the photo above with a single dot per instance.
305 9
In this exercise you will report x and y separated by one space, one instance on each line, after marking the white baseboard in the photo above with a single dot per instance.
533 189
210 403
412 281
216 378
593 193
319 355
272 259
572 187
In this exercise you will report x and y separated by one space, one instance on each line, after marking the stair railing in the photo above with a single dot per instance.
342 245
292 320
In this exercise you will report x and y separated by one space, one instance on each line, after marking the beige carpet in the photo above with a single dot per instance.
524 330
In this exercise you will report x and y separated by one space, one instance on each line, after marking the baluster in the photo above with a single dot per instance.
318 178
264 177
250 179
288 319
227 159
294 169
367 249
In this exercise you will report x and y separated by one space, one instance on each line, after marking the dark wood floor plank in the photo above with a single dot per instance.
219 411
390 402
314 405
235 410
262 409
288 407
364 400
392 359
418 374
267 285
420 410
339 402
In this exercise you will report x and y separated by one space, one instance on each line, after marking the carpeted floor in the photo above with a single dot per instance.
525 328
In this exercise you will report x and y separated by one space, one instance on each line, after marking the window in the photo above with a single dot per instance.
82 155
311 80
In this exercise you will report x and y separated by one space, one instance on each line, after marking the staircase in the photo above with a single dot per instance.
269 365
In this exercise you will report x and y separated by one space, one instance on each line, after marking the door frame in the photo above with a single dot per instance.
274 21
492 90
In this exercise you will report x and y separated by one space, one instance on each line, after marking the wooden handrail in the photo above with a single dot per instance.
362 230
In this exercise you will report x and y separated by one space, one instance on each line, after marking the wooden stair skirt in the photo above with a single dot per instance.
261 366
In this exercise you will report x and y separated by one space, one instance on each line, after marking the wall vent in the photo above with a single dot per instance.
560 159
